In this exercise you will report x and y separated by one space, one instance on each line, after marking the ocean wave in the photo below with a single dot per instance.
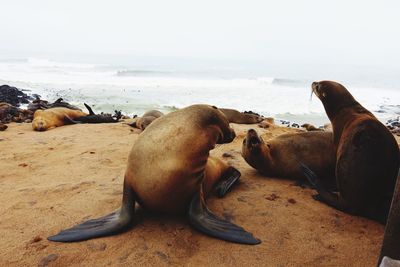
124 73
47 63
290 82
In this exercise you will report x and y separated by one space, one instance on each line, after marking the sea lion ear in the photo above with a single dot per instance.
214 107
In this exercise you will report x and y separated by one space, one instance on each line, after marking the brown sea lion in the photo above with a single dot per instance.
54 117
241 117
310 127
280 156
367 156
146 119
169 170
391 239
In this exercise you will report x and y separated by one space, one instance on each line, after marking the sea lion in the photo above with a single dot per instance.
169 170
97 118
247 117
54 117
367 156
43 104
310 127
280 156
146 119
391 239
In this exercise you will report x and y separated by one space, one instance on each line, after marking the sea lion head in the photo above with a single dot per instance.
333 96
39 123
253 149
254 117
218 118
145 121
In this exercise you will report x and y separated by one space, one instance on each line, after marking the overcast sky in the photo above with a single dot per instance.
340 31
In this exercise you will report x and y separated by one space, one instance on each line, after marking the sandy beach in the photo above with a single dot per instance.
52 180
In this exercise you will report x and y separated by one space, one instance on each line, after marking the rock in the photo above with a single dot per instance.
272 197
97 246
13 95
3 127
10 113
47 260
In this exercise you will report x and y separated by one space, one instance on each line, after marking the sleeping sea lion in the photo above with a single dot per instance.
169 170
97 118
310 127
247 117
54 117
147 118
367 156
280 156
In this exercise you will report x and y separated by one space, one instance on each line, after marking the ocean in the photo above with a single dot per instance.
135 88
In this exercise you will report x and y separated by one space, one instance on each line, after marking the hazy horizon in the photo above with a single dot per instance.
308 39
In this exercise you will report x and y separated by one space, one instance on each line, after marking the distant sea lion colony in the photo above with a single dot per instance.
353 163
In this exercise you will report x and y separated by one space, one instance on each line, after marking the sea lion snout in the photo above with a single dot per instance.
39 125
315 86
230 136
227 136
252 139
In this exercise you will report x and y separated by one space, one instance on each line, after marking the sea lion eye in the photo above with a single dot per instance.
244 140
214 107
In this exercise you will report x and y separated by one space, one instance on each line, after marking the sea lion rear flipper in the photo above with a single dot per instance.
230 178
89 109
110 224
203 220
329 198
68 119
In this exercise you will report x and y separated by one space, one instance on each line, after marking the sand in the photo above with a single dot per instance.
52 180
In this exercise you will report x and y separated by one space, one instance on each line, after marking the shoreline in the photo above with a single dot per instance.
280 102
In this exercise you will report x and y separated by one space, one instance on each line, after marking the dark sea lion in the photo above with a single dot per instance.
391 239
247 117
146 119
367 156
44 104
97 118
54 117
280 156
310 127
169 170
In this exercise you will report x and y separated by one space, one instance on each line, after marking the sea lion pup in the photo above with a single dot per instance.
280 156
54 117
310 127
169 170
391 239
146 119
241 117
367 156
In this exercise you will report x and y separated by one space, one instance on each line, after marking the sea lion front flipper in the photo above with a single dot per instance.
203 220
89 109
231 177
329 198
110 224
